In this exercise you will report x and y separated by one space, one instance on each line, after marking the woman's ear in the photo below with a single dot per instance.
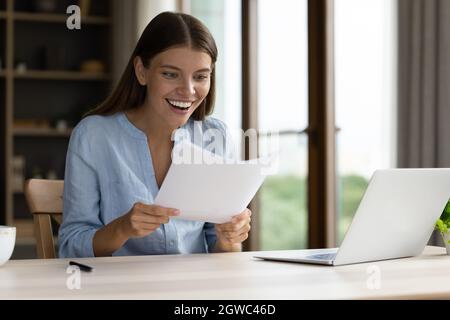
139 70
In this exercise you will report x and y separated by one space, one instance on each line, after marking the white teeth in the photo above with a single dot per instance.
180 104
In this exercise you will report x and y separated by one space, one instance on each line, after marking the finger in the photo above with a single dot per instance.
238 217
228 235
233 234
243 215
235 219
149 226
145 230
226 227
235 226
245 229
221 231
222 226
239 239
156 210
150 219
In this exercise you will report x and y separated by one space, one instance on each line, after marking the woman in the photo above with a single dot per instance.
120 153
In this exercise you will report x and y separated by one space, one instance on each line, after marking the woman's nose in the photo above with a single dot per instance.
187 88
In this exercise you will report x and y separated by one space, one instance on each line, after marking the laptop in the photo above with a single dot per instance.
394 219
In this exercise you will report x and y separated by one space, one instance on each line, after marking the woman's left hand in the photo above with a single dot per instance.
234 232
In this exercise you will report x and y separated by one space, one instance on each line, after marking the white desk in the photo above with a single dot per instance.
227 276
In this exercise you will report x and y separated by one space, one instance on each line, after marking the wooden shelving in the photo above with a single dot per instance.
52 17
41 132
61 75
42 80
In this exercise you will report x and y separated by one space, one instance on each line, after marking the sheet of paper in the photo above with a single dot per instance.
210 192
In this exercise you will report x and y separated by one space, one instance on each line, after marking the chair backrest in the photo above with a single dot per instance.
44 198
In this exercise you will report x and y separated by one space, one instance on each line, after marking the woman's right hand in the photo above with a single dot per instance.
143 219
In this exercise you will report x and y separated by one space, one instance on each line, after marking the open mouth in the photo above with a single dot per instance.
180 105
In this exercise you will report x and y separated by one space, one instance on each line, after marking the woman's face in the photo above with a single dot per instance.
177 81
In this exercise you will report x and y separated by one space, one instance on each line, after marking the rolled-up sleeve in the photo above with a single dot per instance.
210 236
81 199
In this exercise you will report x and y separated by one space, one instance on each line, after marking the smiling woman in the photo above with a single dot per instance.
119 154
178 78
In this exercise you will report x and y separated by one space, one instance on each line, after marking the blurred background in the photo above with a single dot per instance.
384 70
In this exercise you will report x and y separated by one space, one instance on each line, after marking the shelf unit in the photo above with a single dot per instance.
59 18
41 132
61 75
51 17
42 79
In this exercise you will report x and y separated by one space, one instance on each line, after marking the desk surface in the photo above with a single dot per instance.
228 276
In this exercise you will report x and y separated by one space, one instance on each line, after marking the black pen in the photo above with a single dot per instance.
82 267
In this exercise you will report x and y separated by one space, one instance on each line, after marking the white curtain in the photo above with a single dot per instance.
424 84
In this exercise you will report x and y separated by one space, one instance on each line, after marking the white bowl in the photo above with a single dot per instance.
7 242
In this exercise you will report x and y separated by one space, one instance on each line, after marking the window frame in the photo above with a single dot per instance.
321 130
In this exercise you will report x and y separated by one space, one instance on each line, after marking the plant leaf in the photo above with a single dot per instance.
445 216
441 226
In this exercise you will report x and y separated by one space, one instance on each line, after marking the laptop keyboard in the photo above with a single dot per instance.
323 256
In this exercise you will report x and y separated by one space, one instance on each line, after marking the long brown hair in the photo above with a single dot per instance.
166 30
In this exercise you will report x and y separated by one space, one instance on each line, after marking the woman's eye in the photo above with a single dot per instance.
201 77
169 75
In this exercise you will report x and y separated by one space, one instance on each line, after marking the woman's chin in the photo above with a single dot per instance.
179 121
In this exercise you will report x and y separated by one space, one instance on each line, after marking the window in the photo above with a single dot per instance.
223 19
365 98
282 108
364 102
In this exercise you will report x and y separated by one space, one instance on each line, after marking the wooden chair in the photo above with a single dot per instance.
44 198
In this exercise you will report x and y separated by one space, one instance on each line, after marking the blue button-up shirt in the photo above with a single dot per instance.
108 169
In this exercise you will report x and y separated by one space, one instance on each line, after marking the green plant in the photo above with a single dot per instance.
443 223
